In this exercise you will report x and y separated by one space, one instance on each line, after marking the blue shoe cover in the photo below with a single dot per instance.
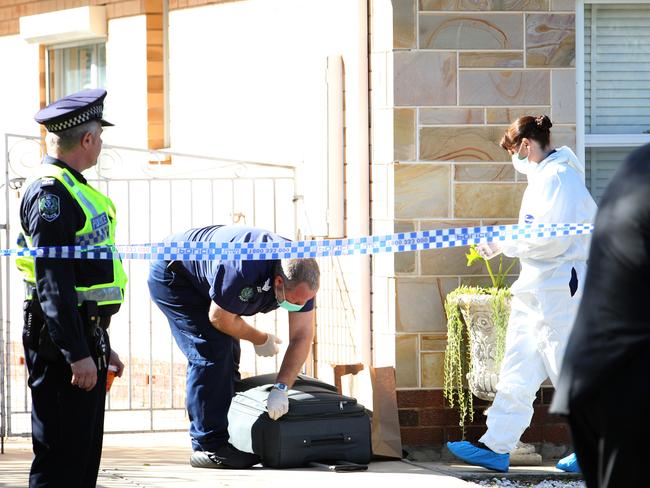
569 464
480 457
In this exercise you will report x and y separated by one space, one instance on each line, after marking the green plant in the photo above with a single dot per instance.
457 358
457 354
498 279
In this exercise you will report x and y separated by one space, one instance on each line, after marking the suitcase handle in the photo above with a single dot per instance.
327 439
340 466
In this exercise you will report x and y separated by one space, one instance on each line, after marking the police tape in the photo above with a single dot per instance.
260 251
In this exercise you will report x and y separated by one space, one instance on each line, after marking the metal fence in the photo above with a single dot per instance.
337 339
157 193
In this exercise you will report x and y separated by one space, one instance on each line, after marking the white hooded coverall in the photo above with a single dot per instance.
542 308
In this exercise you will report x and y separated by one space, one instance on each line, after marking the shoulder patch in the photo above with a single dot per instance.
47 182
246 294
49 207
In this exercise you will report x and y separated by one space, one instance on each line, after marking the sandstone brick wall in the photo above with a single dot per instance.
463 70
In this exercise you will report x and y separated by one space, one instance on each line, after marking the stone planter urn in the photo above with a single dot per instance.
477 312
484 370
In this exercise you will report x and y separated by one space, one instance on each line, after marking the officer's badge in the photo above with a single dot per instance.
49 207
246 294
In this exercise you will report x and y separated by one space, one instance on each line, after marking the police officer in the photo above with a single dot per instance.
69 303
205 302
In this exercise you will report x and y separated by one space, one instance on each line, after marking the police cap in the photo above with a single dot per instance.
73 110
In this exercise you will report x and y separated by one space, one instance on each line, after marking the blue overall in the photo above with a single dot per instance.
184 292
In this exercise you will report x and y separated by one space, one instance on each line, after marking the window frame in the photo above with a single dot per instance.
49 61
584 140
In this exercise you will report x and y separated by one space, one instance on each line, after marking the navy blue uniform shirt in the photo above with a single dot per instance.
56 225
239 287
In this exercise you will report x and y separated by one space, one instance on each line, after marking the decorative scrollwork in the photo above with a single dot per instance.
24 154
483 375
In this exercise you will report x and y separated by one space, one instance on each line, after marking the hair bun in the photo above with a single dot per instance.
543 122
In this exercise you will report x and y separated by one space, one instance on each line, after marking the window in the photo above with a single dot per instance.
616 82
76 68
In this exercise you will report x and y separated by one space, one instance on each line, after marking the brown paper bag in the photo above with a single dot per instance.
375 389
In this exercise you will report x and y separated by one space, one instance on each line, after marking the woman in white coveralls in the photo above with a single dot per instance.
546 296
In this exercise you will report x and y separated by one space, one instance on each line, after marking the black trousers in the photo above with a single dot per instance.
610 430
67 425
212 356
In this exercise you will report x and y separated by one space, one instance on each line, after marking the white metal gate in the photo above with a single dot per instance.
156 193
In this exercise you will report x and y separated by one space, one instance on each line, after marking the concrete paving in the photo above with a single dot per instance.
529 474
161 460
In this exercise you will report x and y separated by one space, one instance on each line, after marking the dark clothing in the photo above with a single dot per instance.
609 432
184 290
210 381
56 278
240 287
612 328
67 422
612 322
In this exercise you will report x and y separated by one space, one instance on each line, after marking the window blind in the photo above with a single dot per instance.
602 163
617 68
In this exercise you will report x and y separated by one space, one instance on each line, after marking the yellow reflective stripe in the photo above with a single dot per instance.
85 195
100 295
70 181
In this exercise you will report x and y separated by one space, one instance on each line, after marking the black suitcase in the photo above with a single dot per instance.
321 425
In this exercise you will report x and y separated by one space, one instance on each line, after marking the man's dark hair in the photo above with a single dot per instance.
295 271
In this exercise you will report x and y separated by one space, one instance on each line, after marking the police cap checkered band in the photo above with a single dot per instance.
73 110
93 113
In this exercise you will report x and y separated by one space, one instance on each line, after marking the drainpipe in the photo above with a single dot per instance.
363 175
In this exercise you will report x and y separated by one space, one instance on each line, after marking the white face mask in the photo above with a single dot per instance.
521 165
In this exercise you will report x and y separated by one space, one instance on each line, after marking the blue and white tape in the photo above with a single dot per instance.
259 251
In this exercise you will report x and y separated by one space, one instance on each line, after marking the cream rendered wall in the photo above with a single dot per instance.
18 86
126 107
19 101
126 82
382 144
248 82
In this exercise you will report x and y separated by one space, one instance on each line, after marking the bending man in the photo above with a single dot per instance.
205 302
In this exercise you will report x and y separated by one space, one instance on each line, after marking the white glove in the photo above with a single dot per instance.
270 347
277 403
488 250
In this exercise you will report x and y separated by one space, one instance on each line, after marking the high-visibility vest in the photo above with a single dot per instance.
98 229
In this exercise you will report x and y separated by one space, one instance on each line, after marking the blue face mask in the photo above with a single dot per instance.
291 307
